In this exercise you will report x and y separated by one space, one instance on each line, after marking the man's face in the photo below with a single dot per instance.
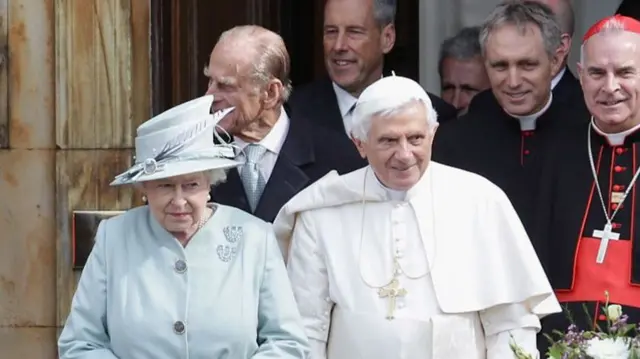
610 78
519 68
232 84
398 147
461 80
354 44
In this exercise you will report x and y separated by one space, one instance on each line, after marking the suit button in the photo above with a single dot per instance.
178 327
180 266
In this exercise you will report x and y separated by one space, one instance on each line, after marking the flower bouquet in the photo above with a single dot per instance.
620 340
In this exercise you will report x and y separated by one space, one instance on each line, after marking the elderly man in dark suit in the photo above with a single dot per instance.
357 35
283 153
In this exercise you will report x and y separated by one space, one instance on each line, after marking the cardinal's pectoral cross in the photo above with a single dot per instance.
392 291
605 236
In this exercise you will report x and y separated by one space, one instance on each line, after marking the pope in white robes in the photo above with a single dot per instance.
408 258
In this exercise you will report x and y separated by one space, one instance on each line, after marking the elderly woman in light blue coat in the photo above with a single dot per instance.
177 278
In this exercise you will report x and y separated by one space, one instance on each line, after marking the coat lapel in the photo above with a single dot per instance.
327 112
288 177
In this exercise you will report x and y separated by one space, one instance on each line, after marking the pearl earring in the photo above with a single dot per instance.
144 198
208 197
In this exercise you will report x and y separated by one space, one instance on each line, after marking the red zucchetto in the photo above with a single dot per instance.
628 23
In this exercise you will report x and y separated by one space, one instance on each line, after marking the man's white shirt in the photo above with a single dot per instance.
273 142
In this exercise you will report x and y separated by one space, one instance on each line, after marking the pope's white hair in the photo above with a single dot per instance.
365 113
610 26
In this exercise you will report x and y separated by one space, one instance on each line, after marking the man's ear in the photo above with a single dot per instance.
388 38
557 60
359 146
580 69
566 45
272 93
434 128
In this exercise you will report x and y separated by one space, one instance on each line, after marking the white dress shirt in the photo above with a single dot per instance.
273 142
346 101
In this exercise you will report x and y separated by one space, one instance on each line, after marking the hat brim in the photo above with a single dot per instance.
180 168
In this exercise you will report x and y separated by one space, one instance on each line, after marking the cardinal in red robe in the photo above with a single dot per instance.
587 233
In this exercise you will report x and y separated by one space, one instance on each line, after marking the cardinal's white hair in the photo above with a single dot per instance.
387 97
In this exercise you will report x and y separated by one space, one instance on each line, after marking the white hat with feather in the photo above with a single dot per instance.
179 141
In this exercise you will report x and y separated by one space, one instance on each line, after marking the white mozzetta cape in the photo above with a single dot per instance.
485 281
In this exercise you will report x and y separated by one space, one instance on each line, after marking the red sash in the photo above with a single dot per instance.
591 280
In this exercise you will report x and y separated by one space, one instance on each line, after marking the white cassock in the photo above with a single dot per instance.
469 281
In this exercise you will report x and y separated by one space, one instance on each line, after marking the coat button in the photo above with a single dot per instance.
180 266
178 327
618 168
619 150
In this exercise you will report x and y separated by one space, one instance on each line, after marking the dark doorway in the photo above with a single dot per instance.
184 32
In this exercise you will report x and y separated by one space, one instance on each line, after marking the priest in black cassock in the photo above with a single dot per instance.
357 35
564 85
587 233
503 140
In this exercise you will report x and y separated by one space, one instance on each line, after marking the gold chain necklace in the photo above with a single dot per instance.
397 268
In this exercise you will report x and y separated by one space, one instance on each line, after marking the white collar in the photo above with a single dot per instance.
615 139
392 194
556 79
345 99
528 123
274 140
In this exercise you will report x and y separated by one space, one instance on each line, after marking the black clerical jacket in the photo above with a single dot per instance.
491 143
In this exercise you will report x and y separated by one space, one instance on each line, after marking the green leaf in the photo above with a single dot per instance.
626 330
555 352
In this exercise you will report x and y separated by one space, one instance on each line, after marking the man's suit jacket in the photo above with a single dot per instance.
308 153
317 101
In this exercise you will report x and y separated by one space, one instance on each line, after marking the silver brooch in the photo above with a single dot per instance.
226 253
233 233
150 166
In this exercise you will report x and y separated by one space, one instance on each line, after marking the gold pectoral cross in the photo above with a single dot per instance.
392 291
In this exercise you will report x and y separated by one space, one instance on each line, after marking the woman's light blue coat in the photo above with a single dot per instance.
233 299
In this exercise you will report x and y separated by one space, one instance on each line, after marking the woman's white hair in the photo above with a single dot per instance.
216 176
387 97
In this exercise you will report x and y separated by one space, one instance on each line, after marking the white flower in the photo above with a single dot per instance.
617 348
614 311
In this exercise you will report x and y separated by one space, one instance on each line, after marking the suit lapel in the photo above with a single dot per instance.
287 178
328 111
231 192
